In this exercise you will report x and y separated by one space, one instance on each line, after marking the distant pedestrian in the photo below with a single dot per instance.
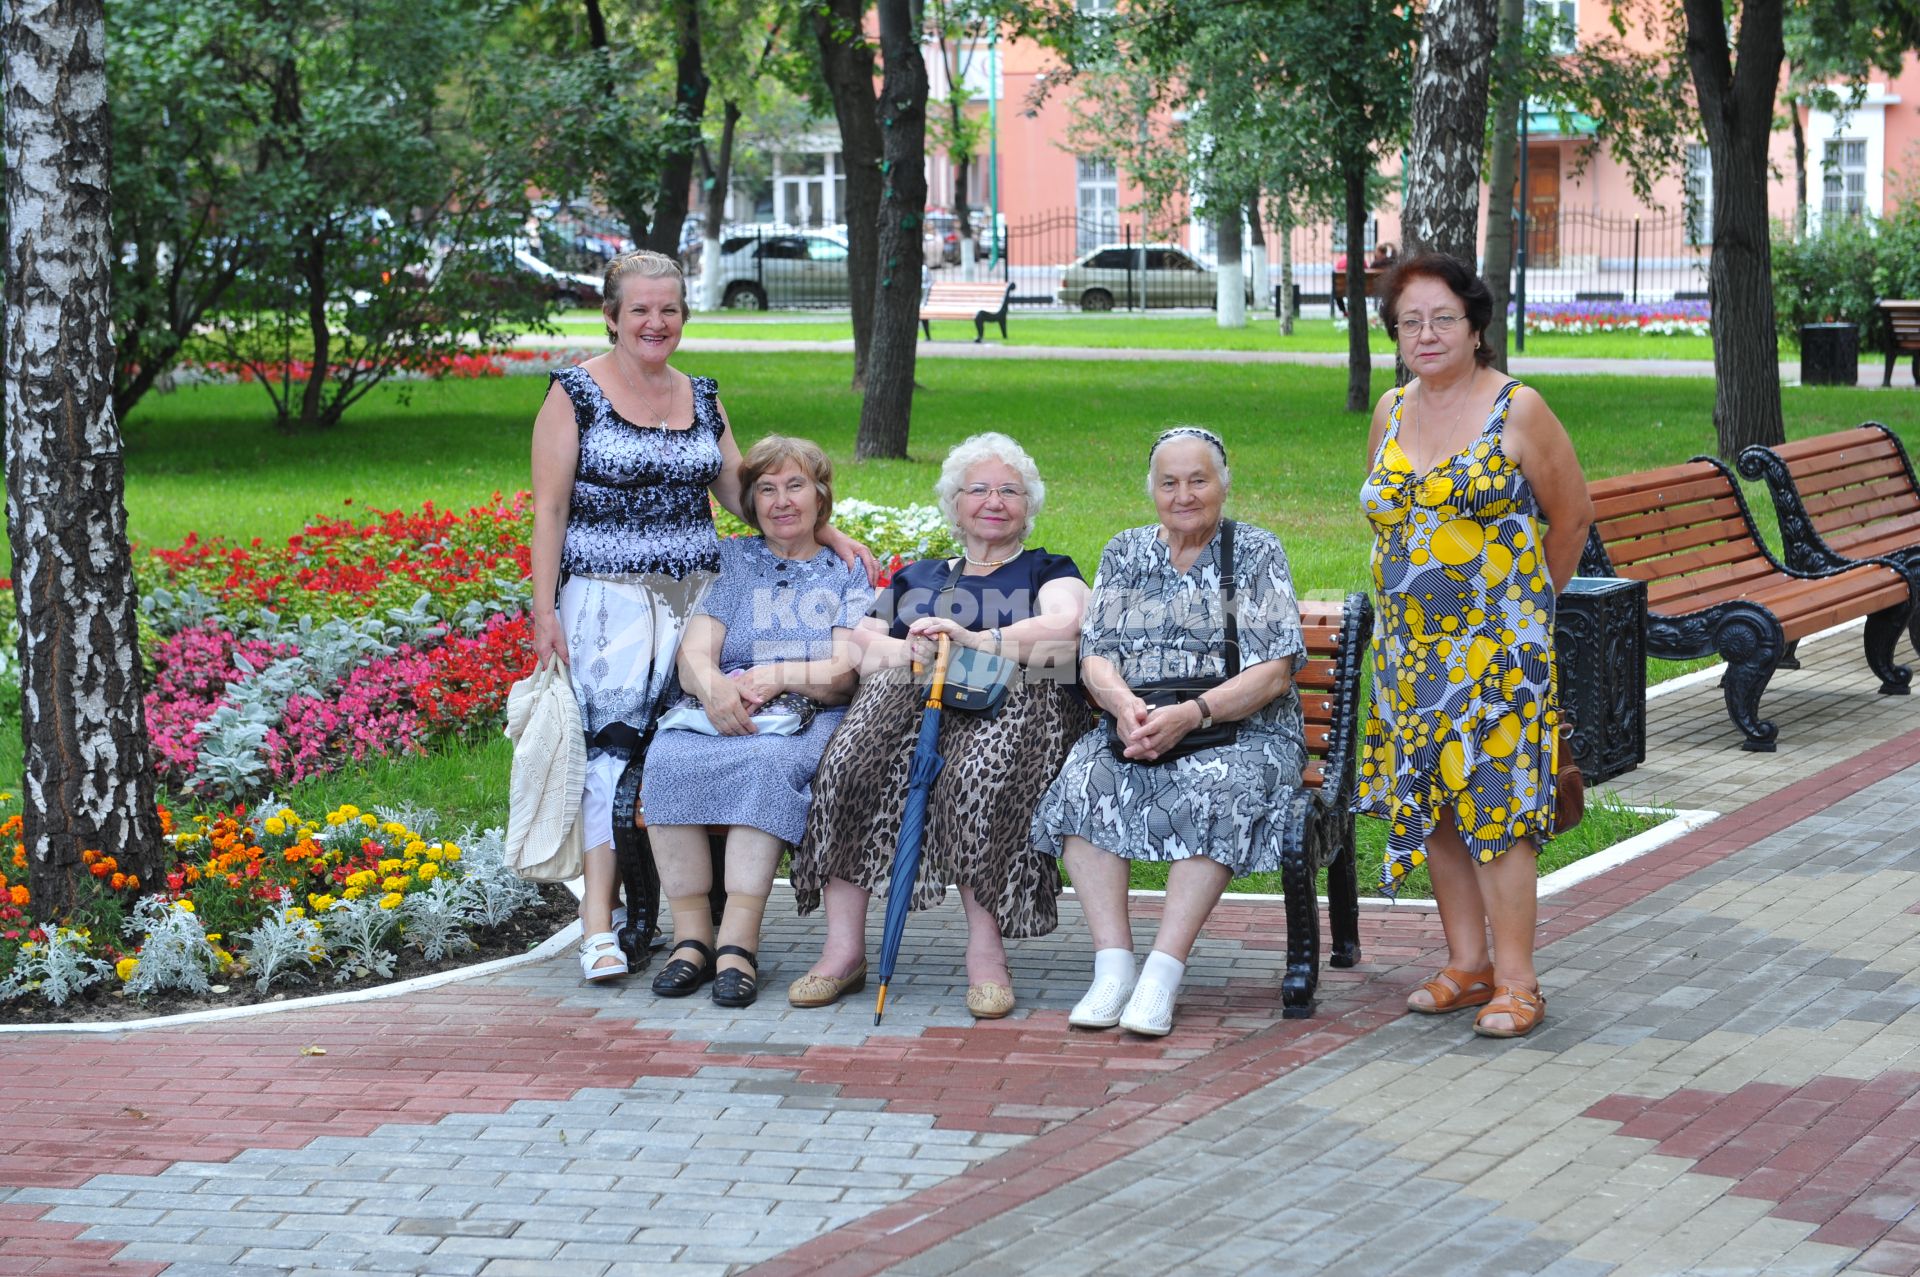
1479 513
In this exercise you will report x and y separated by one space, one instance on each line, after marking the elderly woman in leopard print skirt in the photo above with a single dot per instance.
1004 596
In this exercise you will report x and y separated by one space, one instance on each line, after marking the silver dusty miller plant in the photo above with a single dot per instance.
57 968
434 921
491 889
359 936
283 945
174 951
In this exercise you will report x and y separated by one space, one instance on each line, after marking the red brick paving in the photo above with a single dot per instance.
136 1104
1838 1152
39 1246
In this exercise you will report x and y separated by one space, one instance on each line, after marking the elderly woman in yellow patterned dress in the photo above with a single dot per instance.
1479 512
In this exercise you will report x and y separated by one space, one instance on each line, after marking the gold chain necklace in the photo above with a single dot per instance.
672 390
1453 430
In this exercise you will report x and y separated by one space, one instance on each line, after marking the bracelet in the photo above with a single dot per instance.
1206 715
996 640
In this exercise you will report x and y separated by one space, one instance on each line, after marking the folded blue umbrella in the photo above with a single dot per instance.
926 768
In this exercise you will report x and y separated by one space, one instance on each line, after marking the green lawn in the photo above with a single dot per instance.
1150 331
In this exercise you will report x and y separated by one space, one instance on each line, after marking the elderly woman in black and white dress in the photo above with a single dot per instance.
1215 814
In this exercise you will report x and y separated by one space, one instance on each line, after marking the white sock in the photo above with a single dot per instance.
1163 970
1114 964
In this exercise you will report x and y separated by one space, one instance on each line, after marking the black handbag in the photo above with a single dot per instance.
1172 691
977 681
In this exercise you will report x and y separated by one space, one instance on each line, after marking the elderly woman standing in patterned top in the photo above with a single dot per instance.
1159 613
626 449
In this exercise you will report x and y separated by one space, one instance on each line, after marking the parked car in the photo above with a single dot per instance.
943 230
804 269
1148 274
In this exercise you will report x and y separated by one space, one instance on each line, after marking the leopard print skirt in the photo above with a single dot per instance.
978 815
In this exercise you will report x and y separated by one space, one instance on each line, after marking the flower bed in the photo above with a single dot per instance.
1687 319
459 365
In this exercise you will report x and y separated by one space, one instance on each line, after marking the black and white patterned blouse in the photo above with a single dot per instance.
640 492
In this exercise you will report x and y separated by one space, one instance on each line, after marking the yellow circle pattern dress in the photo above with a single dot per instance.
1464 704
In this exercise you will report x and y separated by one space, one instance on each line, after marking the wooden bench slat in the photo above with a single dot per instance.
1859 488
1653 480
1693 563
1817 446
1879 538
1657 551
1866 514
1703 589
1619 529
1668 495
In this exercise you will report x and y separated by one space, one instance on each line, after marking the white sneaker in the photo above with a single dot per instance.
1102 1005
1149 1011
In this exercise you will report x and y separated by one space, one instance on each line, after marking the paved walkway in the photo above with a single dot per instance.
1519 365
1729 1083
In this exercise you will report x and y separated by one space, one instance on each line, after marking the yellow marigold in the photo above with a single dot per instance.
390 864
289 815
429 871
213 937
434 852
6 795
416 848
276 826
335 818
396 882
391 900
348 810
395 828
296 912
225 959
351 893
184 904
362 878
370 822
453 852
125 968
320 904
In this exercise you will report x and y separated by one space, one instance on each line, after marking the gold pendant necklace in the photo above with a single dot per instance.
646 402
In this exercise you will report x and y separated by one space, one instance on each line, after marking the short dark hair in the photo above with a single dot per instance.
1459 277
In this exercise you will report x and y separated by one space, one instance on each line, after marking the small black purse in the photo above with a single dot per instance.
977 681
1172 691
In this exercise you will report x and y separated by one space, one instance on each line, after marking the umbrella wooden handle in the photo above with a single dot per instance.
940 672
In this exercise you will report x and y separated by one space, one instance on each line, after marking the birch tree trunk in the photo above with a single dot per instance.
1230 280
887 411
1504 147
716 213
1449 128
846 63
1736 108
88 782
1285 233
1257 254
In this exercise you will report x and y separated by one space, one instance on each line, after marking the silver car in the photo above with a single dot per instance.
804 268
1138 275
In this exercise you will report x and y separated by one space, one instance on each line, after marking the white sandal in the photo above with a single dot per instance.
601 944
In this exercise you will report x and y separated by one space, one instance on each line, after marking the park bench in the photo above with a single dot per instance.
1319 830
1337 301
982 303
1712 586
1903 334
1843 498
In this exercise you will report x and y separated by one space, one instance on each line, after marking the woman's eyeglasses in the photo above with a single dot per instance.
1440 324
1006 492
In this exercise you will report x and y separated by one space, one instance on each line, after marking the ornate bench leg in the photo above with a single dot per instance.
717 893
1883 631
639 880
1789 657
1343 894
1750 643
1303 927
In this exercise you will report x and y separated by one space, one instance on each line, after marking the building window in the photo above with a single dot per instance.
1097 199
1562 16
1699 194
1845 181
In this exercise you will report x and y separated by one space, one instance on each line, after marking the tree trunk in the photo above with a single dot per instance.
716 217
690 107
887 411
1799 171
1359 358
314 276
963 213
1230 280
1501 165
846 63
1285 232
1257 254
1736 108
1449 129
639 221
88 781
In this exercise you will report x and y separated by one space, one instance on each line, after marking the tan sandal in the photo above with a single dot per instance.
989 1000
1469 989
824 990
1527 1007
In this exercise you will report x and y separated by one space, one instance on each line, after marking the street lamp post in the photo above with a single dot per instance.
1520 290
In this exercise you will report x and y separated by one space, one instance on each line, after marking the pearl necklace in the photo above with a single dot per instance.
992 563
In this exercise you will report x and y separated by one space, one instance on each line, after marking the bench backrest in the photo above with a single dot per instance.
1851 479
1684 530
1903 318
987 295
1329 685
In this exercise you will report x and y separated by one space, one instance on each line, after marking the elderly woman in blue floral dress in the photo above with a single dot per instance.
1215 813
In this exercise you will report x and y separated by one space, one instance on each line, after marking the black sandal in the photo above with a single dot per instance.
679 977
734 987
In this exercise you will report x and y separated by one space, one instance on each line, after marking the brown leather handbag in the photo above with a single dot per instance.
1569 785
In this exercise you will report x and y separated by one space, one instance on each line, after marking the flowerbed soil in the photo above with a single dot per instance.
526 929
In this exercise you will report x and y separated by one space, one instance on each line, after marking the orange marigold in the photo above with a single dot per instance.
88 857
118 882
100 870
19 895
166 820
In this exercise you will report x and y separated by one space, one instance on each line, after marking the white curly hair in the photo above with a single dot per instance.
989 446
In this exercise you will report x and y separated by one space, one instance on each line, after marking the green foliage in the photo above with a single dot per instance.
1836 275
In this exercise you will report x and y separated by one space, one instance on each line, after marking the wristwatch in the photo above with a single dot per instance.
1206 715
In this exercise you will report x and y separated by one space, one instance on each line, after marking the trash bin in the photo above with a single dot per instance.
1829 354
1600 646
